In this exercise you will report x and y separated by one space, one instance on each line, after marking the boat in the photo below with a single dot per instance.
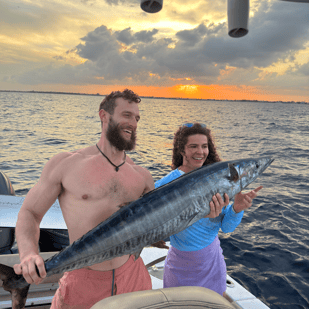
54 237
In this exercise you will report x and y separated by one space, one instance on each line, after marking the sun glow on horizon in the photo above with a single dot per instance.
206 92
187 89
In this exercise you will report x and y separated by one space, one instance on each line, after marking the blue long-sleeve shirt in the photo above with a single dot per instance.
203 232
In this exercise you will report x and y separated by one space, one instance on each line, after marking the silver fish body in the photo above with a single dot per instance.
158 214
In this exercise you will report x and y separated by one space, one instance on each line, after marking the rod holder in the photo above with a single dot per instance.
238 16
151 6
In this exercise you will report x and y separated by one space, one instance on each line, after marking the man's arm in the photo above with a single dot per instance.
37 202
149 183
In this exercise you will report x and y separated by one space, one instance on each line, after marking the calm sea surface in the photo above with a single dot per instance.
268 252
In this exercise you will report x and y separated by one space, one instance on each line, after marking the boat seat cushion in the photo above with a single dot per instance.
175 298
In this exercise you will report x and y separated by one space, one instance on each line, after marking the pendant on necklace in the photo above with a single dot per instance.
116 166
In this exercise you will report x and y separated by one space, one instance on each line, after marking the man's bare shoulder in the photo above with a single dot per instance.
149 183
65 159
64 156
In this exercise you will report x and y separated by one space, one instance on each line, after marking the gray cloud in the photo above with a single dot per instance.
191 37
98 43
276 31
146 36
127 36
304 69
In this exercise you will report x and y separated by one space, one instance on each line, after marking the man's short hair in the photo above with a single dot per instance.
109 102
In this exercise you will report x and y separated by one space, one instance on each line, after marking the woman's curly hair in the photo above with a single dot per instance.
181 139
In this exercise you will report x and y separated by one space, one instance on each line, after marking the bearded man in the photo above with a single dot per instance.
90 184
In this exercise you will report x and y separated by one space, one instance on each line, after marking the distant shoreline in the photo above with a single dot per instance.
151 97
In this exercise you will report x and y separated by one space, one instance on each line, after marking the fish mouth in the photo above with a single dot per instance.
255 169
266 161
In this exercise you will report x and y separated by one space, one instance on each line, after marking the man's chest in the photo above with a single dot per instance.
92 181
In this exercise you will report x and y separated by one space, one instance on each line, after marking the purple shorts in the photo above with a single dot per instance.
205 268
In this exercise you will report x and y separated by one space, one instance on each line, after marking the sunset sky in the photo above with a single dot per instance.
96 46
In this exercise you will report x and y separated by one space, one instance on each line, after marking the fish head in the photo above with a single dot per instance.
247 170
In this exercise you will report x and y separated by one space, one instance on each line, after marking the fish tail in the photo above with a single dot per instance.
16 285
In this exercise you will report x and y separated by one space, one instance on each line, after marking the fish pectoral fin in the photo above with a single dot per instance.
234 176
137 254
194 219
19 295
7 274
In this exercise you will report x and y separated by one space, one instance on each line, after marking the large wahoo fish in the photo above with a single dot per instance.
153 217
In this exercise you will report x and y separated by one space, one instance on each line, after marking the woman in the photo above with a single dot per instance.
195 257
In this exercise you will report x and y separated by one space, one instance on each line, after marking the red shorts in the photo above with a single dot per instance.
82 288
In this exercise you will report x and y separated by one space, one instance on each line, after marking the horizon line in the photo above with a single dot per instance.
168 98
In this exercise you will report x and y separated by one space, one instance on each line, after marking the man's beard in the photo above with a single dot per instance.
113 135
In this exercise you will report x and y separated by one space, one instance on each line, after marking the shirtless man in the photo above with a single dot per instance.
90 185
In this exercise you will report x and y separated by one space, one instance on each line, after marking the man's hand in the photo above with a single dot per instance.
244 201
217 204
27 268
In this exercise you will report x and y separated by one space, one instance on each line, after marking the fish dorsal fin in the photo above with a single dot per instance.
234 176
137 254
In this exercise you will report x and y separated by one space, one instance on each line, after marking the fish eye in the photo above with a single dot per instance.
257 165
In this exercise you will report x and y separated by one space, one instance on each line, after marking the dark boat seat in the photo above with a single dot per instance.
53 240
6 187
50 240
173 298
7 237
7 234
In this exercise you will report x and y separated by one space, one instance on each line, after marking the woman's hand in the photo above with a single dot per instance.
244 201
217 204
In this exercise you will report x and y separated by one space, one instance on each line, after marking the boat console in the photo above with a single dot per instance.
53 235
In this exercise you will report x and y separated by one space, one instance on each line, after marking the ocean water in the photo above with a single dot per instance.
268 252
